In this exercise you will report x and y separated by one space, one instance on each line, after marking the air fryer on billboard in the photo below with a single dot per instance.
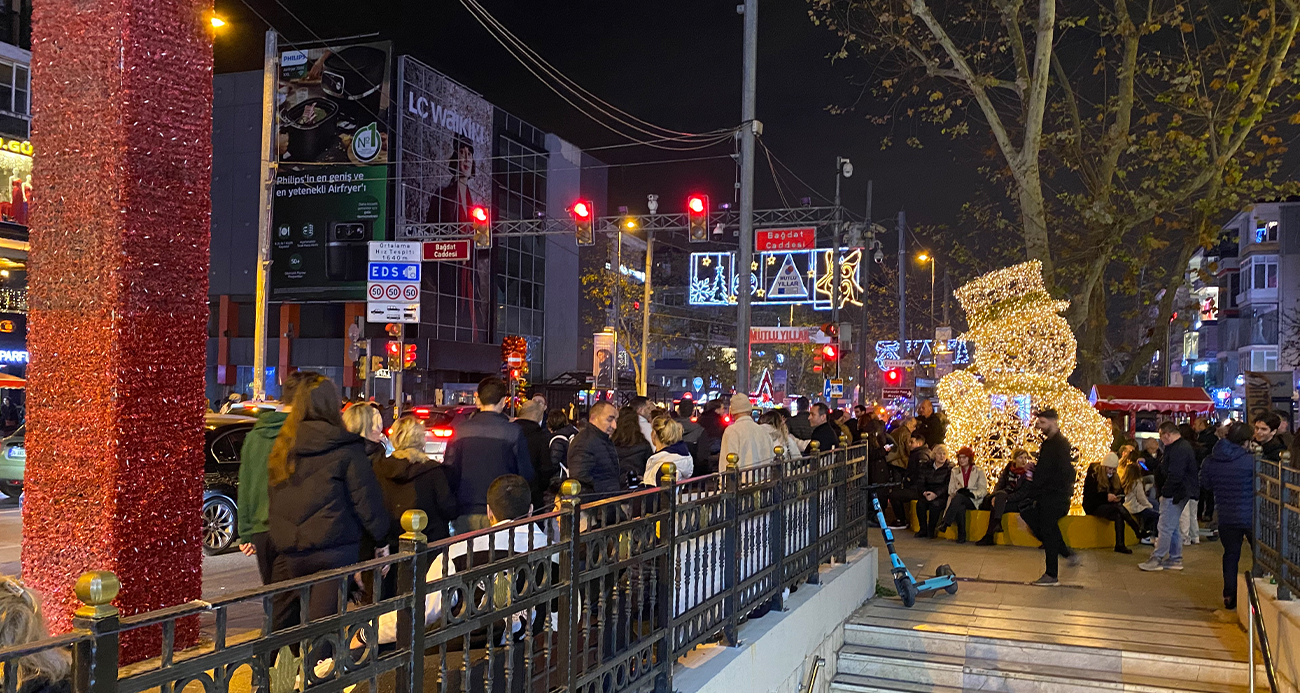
346 252
353 77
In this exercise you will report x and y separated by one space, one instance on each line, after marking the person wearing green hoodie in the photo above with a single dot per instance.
254 498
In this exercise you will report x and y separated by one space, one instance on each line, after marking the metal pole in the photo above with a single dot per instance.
266 200
397 374
745 256
1250 642
867 261
902 284
835 260
368 390
931 335
643 388
947 291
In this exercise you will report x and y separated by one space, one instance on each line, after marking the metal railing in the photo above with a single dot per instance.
1257 632
599 595
1276 550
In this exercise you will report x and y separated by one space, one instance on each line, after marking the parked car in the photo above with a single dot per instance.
223 436
255 408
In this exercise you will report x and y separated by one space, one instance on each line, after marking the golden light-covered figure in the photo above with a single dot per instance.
1024 351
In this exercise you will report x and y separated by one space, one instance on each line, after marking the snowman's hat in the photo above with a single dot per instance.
987 297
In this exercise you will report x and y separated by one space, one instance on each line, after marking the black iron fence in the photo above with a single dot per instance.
1277 523
599 595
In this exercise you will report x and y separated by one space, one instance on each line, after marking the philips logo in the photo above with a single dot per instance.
293 58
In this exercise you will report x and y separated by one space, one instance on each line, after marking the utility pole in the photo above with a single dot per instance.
270 128
749 128
643 388
947 291
902 283
868 259
843 169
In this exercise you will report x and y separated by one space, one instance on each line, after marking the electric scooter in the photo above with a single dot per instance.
906 584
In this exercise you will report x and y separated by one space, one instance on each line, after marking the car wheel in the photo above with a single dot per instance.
219 520
11 489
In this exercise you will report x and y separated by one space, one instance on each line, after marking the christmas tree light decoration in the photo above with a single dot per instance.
1024 351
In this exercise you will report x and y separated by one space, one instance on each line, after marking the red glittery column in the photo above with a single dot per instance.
122 104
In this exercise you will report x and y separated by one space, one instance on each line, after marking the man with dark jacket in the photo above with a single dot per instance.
931 424
539 446
712 427
593 460
1051 491
1270 444
562 432
487 445
825 433
254 498
800 426
932 495
918 457
1229 472
1180 485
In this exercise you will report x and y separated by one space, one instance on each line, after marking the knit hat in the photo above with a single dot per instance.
965 450
1112 460
740 404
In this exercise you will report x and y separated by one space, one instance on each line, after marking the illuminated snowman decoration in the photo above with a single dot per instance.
1024 352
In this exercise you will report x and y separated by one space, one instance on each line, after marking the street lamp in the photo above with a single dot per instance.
924 258
216 22
843 169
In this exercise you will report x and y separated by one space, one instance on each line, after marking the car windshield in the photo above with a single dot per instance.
440 418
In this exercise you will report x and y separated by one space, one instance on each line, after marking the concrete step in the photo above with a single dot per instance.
957 672
853 683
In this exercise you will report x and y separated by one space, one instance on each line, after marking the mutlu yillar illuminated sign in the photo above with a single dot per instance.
782 277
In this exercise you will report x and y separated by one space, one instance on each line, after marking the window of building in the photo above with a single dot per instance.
519 170
1234 288
1263 360
1262 272
1266 232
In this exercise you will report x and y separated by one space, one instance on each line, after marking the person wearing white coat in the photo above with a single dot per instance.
666 436
967 487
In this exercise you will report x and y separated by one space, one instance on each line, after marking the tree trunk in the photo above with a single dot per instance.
1092 341
1033 215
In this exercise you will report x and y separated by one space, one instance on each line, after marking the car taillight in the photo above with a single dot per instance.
421 412
441 432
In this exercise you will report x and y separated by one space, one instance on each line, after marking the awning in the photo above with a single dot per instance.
1134 398
11 382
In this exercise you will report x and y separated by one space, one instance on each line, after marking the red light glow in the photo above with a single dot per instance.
695 204
480 214
828 351
582 210
441 432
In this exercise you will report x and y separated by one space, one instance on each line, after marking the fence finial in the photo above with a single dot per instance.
97 589
733 461
814 446
414 522
778 451
667 474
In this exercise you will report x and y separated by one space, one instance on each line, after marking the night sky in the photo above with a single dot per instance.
675 63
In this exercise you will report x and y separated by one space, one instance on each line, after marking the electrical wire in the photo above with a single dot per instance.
569 90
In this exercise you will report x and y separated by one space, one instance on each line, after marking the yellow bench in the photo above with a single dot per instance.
1080 531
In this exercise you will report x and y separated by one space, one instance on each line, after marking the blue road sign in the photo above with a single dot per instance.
394 271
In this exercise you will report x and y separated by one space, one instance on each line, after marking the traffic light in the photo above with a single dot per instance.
817 361
894 377
584 218
697 214
410 357
394 350
829 352
482 225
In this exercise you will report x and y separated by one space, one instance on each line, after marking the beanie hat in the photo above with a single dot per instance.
740 404
1112 460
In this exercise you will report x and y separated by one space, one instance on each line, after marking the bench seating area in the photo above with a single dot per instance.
1080 531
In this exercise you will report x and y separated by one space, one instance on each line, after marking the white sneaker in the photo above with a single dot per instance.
1148 541
1151 565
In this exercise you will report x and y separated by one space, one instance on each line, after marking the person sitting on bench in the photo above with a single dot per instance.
1103 496
967 486
1008 495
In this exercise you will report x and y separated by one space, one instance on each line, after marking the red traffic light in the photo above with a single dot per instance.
479 214
894 376
829 351
695 203
394 348
581 209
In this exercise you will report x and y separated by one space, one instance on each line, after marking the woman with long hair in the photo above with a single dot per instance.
668 448
1134 480
22 622
967 486
774 423
324 496
364 419
633 449
411 480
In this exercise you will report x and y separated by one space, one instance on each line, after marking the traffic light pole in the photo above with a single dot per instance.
397 374
266 196
643 387
745 256
868 259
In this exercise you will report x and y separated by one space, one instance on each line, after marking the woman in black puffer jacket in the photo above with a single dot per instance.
1229 472
324 497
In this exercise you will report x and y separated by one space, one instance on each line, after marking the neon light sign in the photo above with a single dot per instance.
784 277
922 350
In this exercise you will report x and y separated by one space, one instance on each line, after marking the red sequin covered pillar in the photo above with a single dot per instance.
122 104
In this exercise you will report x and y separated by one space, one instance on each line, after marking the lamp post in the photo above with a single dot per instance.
924 258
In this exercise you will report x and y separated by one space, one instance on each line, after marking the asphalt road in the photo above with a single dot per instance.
231 572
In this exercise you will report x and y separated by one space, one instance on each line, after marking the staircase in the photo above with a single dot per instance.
950 646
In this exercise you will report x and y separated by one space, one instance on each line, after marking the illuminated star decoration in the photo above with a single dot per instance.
1024 353
771 259
850 289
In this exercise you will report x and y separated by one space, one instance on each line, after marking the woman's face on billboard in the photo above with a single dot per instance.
465 161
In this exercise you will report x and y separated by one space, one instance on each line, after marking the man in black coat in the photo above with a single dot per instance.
487 445
593 460
1181 484
1051 491
825 433
800 426
538 436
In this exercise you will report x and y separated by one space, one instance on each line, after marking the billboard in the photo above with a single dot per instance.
603 364
785 277
325 218
445 149
331 188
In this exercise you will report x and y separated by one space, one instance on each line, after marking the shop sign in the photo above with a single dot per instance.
23 147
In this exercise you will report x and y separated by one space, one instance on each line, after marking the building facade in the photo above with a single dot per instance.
15 185
445 149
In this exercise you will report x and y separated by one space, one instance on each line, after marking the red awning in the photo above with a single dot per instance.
1135 398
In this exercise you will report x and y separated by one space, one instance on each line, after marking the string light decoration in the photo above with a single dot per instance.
1024 351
